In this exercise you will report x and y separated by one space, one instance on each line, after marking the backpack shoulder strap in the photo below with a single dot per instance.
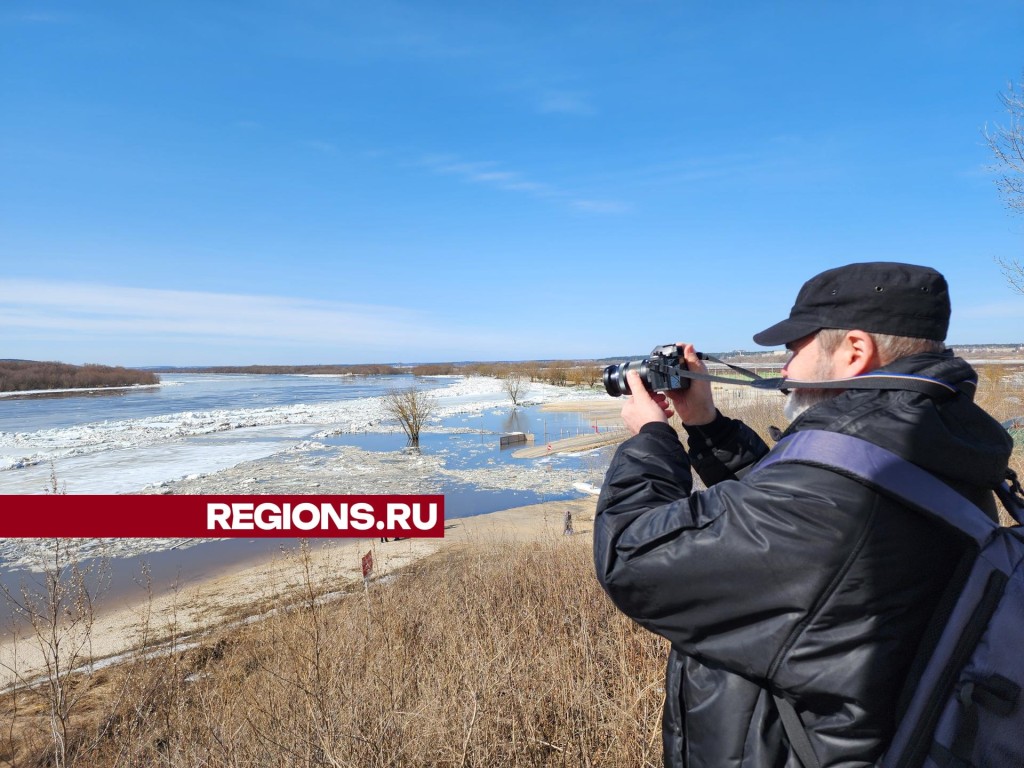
795 732
886 472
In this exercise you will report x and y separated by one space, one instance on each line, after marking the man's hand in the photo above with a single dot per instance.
643 407
696 405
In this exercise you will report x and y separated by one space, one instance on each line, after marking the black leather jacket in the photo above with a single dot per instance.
793 579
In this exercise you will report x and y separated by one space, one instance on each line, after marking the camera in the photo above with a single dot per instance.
659 372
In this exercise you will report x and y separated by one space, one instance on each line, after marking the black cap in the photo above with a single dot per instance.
877 297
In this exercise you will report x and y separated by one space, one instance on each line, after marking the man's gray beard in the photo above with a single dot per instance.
799 400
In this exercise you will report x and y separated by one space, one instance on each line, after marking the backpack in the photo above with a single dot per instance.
962 705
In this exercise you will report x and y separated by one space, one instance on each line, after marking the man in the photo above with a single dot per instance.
796 580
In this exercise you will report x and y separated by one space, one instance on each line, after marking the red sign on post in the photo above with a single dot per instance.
367 564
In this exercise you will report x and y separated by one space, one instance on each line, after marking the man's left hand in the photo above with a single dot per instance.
643 407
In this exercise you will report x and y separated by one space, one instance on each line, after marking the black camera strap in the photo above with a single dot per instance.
922 384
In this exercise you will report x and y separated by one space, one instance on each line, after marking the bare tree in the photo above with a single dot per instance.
1007 144
412 408
59 613
515 385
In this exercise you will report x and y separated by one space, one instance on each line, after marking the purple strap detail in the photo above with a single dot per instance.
888 473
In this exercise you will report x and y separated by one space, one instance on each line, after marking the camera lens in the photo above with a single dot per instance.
614 376
611 381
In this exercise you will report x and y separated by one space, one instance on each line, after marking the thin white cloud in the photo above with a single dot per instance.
600 206
681 168
490 173
487 172
324 147
68 310
498 177
43 17
565 103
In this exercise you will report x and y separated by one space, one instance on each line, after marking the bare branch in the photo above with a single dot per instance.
1013 271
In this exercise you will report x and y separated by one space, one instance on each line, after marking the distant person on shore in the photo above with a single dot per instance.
795 580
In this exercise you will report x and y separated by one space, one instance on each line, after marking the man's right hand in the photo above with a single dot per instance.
695 405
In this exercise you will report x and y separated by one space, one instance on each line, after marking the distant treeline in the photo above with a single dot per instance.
565 373
16 376
561 372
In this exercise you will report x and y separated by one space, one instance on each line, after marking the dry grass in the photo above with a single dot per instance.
495 655
1001 393
761 412
1001 390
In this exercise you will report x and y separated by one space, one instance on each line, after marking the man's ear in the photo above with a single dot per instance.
856 354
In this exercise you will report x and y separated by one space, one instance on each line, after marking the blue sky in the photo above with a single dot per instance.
316 182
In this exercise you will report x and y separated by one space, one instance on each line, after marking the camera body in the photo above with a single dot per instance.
659 372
